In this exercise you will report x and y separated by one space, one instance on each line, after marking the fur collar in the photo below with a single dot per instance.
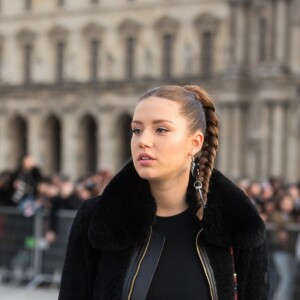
126 210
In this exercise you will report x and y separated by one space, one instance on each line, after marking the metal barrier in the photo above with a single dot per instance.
26 258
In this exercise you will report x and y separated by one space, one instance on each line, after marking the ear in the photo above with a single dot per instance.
197 142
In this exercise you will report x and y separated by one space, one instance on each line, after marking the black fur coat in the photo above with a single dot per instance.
107 228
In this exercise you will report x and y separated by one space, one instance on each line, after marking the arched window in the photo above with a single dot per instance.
167 56
94 59
60 58
59 39
88 145
129 30
18 133
263 39
93 34
129 60
207 54
60 3
52 144
1 58
167 28
27 63
207 27
125 122
26 40
28 4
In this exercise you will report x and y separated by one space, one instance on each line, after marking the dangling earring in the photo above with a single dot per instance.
195 170
199 194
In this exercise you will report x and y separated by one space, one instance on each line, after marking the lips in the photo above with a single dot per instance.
145 157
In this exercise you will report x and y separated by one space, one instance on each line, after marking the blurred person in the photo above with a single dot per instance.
243 184
277 184
25 181
83 192
168 225
294 190
254 192
284 246
6 190
98 182
66 199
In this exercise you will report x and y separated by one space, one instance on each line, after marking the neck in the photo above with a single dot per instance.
170 196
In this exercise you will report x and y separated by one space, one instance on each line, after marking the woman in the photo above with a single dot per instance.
168 226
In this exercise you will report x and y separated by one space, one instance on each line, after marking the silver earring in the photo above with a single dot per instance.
195 167
198 188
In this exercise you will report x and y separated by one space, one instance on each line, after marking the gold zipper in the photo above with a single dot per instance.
205 269
139 265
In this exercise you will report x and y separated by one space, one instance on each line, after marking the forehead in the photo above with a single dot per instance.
155 107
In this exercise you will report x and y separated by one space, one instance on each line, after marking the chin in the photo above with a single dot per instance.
147 174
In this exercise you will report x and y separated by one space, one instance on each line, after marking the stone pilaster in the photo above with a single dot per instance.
266 146
224 138
34 138
278 134
4 142
69 146
236 153
108 143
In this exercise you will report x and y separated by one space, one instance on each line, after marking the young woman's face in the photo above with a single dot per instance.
161 143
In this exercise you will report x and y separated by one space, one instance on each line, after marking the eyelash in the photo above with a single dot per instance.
137 131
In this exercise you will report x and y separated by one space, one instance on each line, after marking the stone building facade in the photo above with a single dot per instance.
71 72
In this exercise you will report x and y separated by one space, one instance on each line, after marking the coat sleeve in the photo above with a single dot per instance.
253 270
76 276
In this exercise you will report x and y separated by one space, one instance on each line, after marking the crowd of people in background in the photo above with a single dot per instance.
277 202
30 191
279 206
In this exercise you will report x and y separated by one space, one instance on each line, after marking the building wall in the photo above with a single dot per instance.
254 78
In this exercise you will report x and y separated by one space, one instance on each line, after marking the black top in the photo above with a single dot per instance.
179 274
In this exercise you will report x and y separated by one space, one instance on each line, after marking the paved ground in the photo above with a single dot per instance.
16 293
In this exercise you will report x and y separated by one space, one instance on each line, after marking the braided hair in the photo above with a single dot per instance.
210 146
199 110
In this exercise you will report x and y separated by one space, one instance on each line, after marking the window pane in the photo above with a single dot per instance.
167 55
27 63
207 54
94 59
60 49
262 39
130 53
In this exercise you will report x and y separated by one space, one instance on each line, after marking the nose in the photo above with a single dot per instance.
145 140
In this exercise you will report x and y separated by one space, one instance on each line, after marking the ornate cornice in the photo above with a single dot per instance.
26 36
129 28
93 30
206 22
58 33
167 25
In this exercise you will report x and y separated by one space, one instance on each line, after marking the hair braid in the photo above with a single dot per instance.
209 149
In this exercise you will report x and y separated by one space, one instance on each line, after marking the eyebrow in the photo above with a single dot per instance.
154 122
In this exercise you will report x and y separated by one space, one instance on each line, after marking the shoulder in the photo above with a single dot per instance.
230 217
85 212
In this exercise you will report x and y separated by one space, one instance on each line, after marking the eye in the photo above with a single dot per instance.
161 130
136 131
